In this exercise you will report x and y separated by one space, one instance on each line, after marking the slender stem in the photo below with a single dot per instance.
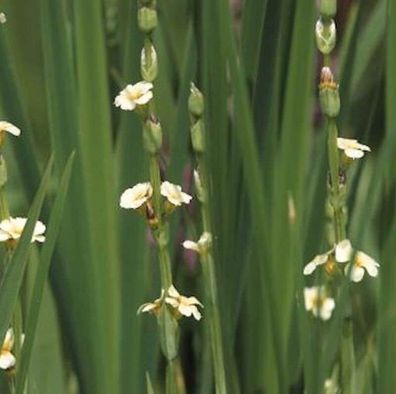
339 225
209 274
161 232
4 212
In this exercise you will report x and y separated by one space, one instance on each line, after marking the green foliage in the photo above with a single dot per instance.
62 64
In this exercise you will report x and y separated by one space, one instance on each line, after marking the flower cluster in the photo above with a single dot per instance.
140 195
343 253
316 299
352 148
11 230
181 305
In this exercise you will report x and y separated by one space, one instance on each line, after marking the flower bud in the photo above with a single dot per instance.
199 187
329 95
328 8
195 101
152 136
325 33
147 19
149 63
197 137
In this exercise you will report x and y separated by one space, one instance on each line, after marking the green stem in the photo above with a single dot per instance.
209 274
161 232
4 212
339 225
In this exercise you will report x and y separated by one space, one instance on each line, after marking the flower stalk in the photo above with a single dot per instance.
204 245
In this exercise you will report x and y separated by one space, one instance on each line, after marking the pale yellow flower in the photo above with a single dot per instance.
339 254
317 302
352 148
362 263
186 306
133 95
3 18
174 194
7 359
203 244
136 196
12 228
152 307
9 128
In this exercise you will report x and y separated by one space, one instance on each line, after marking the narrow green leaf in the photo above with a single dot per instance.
149 385
12 279
42 273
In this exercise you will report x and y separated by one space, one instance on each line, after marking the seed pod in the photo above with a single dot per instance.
149 63
195 101
147 19
328 8
326 35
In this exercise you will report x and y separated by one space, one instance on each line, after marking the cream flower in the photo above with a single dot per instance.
10 128
203 244
133 95
7 359
318 303
186 306
341 253
361 263
3 17
352 148
174 194
136 196
152 307
12 228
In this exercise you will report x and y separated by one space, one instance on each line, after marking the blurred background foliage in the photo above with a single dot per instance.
63 62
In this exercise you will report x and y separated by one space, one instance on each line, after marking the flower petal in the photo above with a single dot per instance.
190 245
354 153
326 309
144 99
343 251
173 292
193 301
364 260
357 273
7 360
10 128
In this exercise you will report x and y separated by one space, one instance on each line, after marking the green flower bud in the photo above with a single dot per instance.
195 101
149 63
152 136
326 35
197 137
199 187
328 8
147 19
329 95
